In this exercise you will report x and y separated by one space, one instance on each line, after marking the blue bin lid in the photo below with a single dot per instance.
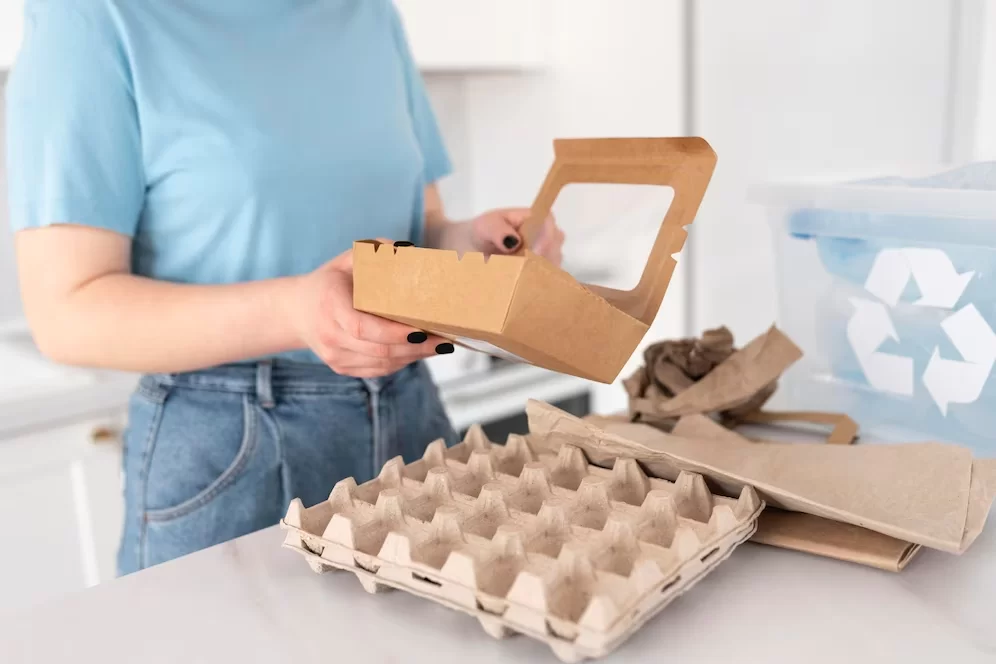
957 206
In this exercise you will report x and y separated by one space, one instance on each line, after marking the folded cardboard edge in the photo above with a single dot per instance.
844 431
685 164
815 535
372 248
982 494
806 533
505 332
544 418
700 426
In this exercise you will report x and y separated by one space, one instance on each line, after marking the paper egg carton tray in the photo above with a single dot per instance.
539 544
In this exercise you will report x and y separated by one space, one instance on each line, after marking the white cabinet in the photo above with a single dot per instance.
446 35
11 29
788 88
467 35
61 508
985 119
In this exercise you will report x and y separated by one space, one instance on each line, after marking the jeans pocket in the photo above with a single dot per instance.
203 442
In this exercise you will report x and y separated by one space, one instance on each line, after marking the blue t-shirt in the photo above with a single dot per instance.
232 140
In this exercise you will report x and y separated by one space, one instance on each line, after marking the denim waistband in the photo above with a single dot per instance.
267 377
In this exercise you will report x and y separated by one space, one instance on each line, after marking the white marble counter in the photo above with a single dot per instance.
252 601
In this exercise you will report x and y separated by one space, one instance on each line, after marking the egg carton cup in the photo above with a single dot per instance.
544 545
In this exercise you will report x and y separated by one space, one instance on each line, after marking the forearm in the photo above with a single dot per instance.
441 233
130 323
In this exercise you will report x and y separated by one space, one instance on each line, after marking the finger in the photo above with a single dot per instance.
374 329
498 231
343 359
369 373
551 247
348 363
416 349
548 237
343 262
358 325
516 216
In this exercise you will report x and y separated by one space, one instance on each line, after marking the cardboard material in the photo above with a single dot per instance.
844 431
740 383
797 531
807 533
540 544
878 487
831 539
523 307
708 375
671 367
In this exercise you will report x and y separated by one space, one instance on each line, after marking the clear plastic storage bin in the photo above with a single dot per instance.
889 287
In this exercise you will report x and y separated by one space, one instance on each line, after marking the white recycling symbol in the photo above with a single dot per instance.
947 381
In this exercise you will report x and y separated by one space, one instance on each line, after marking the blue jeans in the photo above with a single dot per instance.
213 455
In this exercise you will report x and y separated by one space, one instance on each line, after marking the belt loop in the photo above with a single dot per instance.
264 383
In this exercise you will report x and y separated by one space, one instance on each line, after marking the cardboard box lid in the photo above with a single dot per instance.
524 307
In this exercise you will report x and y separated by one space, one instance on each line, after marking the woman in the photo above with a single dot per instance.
186 180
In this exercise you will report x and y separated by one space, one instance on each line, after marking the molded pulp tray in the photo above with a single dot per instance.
540 544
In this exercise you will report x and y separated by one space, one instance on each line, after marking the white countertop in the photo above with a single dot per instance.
252 601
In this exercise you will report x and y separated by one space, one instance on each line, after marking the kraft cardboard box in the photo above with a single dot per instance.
525 308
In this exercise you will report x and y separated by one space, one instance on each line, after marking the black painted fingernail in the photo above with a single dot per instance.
404 243
417 337
510 242
444 349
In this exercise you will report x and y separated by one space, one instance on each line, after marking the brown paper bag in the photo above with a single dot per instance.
844 429
797 531
525 308
805 532
878 487
730 385
831 539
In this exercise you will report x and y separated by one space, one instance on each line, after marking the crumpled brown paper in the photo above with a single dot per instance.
932 494
708 375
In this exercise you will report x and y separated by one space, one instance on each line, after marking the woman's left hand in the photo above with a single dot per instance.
497 232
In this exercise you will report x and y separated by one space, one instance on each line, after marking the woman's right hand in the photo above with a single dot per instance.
351 342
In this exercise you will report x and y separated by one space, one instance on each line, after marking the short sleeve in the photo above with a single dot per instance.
437 160
73 141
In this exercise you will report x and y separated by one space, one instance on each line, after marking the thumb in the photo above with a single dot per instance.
501 231
343 262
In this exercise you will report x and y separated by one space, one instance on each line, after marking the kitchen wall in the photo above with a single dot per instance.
10 303
787 88
614 69
778 87
986 116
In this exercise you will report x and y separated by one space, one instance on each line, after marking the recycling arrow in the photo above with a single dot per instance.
888 277
952 381
935 275
939 283
868 328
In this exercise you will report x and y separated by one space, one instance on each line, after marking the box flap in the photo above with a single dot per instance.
684 164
